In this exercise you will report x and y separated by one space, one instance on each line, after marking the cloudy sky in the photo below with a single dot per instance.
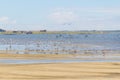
60 14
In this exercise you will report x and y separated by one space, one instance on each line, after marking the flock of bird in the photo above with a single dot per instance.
59 45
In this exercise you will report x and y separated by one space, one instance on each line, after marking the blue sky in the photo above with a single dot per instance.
60 14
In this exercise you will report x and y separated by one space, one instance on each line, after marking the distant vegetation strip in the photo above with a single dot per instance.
57 32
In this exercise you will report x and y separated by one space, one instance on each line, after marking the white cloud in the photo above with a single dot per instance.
62 17
114 11
98 9
6 20
85 18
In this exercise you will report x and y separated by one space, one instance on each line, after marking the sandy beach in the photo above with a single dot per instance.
61 71
57 71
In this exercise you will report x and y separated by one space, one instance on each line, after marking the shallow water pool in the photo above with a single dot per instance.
27 61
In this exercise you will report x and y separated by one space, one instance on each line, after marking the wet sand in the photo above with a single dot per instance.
35 56
3 55
61 71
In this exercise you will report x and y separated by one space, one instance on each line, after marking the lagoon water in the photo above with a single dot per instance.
60 41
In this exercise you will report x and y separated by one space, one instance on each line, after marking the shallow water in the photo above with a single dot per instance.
38 42
28 61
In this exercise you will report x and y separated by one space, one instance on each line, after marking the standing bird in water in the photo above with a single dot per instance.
86 36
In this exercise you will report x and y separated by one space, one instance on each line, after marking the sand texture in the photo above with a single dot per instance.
61 71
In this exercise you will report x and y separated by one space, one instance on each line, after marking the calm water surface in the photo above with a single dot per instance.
60 42
28 61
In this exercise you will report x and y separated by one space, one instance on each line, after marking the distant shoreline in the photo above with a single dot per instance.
61 32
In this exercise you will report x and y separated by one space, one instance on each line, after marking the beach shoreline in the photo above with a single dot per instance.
12 54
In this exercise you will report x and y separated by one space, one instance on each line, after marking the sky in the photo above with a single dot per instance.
60 14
